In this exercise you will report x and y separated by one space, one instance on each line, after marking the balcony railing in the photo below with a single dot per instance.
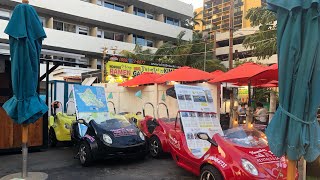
225 17
238 13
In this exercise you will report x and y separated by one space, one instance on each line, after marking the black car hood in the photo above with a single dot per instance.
128 136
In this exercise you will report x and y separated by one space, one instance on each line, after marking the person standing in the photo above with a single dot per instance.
261 113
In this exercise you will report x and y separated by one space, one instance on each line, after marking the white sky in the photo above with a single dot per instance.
195 3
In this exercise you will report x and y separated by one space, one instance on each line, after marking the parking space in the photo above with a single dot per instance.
60 164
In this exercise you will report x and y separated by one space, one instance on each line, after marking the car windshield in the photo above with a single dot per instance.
114 121
246 137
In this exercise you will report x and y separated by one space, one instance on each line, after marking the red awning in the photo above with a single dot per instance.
185 74
216 73
249 72
143 79
270 74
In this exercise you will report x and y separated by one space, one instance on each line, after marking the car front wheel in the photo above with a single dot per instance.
209 172
155 147
85 155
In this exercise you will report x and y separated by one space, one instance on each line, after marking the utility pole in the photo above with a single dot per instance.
231 27
231 17
205 55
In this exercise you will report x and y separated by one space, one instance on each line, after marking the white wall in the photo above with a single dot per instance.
85 10
125 100
172 5
77 42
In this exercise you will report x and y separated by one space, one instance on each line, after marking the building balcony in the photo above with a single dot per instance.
225 26
225 17
238 14
238 22
76 10
216 11
216 20
76 43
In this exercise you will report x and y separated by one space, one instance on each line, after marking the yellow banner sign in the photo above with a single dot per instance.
132 70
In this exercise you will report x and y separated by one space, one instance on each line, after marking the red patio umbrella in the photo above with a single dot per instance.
269 84
270 74
240 74
216 73
185 74
142 79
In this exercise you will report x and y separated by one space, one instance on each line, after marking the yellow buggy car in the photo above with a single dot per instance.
60 124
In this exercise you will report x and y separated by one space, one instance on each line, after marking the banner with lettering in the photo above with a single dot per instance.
132 70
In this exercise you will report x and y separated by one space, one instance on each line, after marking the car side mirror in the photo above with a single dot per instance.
205 136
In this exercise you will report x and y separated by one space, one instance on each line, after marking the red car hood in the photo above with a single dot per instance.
267 161
264 160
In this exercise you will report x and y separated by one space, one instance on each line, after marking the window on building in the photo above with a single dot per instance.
69 27
110 35
142 41
119 37
119 8
109 5
83 30
139 12
57 25
99 2
4 14
150 16
172 21
43 21
99 33
150 43
113 6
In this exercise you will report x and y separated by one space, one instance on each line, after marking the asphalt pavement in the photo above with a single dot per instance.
59 163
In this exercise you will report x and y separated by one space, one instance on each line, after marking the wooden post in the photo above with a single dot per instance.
292 170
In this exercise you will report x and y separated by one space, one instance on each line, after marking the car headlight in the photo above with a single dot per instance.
249 167
107 139
141 135
67 126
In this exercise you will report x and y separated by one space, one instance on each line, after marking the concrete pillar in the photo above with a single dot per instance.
93 63
93 31
49 23
130 9
158 43
129 38
93 1
160 17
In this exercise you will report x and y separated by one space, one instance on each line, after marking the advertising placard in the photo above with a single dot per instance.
132 70
197 112
90 102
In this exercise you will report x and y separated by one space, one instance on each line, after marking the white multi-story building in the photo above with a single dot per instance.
78 30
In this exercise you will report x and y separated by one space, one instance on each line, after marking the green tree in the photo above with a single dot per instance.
138 53
189 53
263 42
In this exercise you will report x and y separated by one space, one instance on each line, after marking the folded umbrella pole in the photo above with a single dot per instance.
26 33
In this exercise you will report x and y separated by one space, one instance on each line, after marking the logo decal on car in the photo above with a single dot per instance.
218 161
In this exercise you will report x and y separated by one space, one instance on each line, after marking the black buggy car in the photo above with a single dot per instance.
110 138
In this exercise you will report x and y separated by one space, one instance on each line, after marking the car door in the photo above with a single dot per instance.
179 147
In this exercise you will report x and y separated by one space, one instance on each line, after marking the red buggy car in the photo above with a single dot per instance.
242 153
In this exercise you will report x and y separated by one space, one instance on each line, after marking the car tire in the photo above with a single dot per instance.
52 141
155 147
85 154
209 172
